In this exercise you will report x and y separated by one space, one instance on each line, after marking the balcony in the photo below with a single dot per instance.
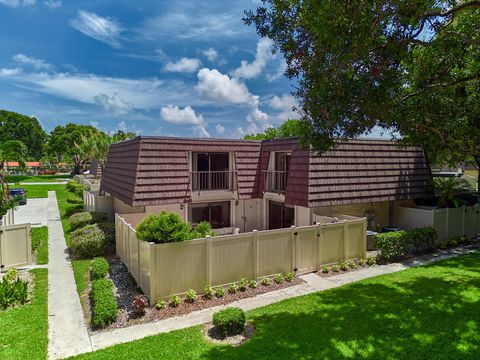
212 181
275 181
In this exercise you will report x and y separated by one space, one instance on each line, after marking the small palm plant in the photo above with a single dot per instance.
447 189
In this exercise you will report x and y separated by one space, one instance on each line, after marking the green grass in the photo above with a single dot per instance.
40 244
36 178
39 191
24 330
429 312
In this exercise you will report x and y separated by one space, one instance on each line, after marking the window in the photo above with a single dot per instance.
217 214
280 215
211 171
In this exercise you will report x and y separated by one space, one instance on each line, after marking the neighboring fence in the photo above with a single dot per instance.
173 268
15 243
92 201
449 223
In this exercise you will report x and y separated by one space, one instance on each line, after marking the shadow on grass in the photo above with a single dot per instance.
426 313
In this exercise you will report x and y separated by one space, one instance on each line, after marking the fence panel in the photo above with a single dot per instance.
133 250
232 257
356 239
477 220
440 223
455 222
275 254
470 221
306 249
144 266
15 246
331 243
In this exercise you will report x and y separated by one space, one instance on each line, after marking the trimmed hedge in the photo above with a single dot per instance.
422 239
75 188
104 305
75 209
75 201
106 228
230 321
85 218
91 240
99 268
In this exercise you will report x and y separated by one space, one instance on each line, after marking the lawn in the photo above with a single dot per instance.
37 178
39 191
40 244
24 330
429 312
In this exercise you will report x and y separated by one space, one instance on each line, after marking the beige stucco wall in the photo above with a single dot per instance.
177 208
121 208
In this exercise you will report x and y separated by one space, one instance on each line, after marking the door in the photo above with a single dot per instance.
280 215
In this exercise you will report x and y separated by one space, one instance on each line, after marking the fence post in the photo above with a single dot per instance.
346 238
208 244
364 248
319 245
463 220
294 248
255 254
153 273
446 223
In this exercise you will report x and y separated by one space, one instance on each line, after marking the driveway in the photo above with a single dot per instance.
34 212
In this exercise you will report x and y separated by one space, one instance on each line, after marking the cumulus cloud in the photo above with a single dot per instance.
200 131
183 65
220 129
113 104
251 70
211 54
53 4
176 115
103 29
17 3
285 104
38 64
214 85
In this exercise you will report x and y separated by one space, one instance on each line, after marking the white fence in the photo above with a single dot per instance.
8 218
173 268
15 243
449 223
93 202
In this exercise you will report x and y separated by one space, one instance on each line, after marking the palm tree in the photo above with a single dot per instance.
12 150
447 189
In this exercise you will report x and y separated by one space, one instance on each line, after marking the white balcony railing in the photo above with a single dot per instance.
212 180
275 181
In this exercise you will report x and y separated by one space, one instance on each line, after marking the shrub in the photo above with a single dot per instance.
352 265
75 201
266 281
422 239
253 284
390 246
75 188
232 288
161 304
104 306
289 276
88 246
219 292
85 218
170 227
208 292
191 296
139 304
335 268
75 209
278 278
13 290
99 268
230 321
325 269
344 266
175 301
105 228
243 284
362 262
370 260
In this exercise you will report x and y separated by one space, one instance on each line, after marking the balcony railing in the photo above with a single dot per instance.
275 181
212 181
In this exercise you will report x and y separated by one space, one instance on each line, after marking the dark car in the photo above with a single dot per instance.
19 195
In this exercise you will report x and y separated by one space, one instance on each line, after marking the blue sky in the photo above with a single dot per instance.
189 68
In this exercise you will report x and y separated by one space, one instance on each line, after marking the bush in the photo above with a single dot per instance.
335 268
170 227
99 268
325 269
208 292
75 209
75 201
344 266
422 239
75 188
13 290
104 306
232 288
266 281
105 228
85 218
88 246
278 278
191 296
371 260
253 284
390 246
175 301
362 262
139 304
219 292
243 284
161 304
230 321
352 264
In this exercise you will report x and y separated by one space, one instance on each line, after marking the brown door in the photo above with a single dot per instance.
280 216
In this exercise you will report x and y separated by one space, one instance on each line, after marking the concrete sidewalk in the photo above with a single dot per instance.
67 333
34 212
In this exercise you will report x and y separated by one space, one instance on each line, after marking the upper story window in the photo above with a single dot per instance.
211 171
277 174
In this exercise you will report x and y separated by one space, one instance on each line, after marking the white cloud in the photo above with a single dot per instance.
211 54
280 72
220 129
38 64
214 85
17 3
200 131
103 29
285 104
251 70
53 4
176 115
10 71
183 65
113 104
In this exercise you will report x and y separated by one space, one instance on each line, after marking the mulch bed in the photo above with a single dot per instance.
126 290
214 335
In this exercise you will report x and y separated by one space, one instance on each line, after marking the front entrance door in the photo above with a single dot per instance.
280 215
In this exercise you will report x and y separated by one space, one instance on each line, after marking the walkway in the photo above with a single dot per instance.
313 283
67 333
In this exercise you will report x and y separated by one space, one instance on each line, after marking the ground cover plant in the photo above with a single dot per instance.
104 305
99 268
385 317
40 244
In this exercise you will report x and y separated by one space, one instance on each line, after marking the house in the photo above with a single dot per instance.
263 185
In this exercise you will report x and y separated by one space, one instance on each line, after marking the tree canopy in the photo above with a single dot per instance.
290 128
23 128
409 66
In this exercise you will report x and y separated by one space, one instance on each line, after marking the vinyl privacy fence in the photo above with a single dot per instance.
165 269
15 243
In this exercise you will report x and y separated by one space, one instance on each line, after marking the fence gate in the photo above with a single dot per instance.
15 246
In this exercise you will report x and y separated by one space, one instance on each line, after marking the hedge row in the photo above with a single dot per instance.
104 305
85 218
75 188
99 268
91 240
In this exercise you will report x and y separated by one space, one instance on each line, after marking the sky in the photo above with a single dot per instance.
171 68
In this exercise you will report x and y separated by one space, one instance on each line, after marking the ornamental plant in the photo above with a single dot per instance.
175 300
161 304
325 269
243 284
266 281
278 278
230 321
191 296
139 304
232 288
208 292
253 284
289 276
219 292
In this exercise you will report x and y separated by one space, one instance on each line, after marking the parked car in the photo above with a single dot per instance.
19 195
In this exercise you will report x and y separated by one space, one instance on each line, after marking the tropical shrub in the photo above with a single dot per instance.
170 227
13 290
278 278
161 304
232 288
104 305
99 268
219 292
266 281
139 304
175 300
191 296
208 292
243 284
82 219
74 209
230 321
390 246
289 276
344 266
253 284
